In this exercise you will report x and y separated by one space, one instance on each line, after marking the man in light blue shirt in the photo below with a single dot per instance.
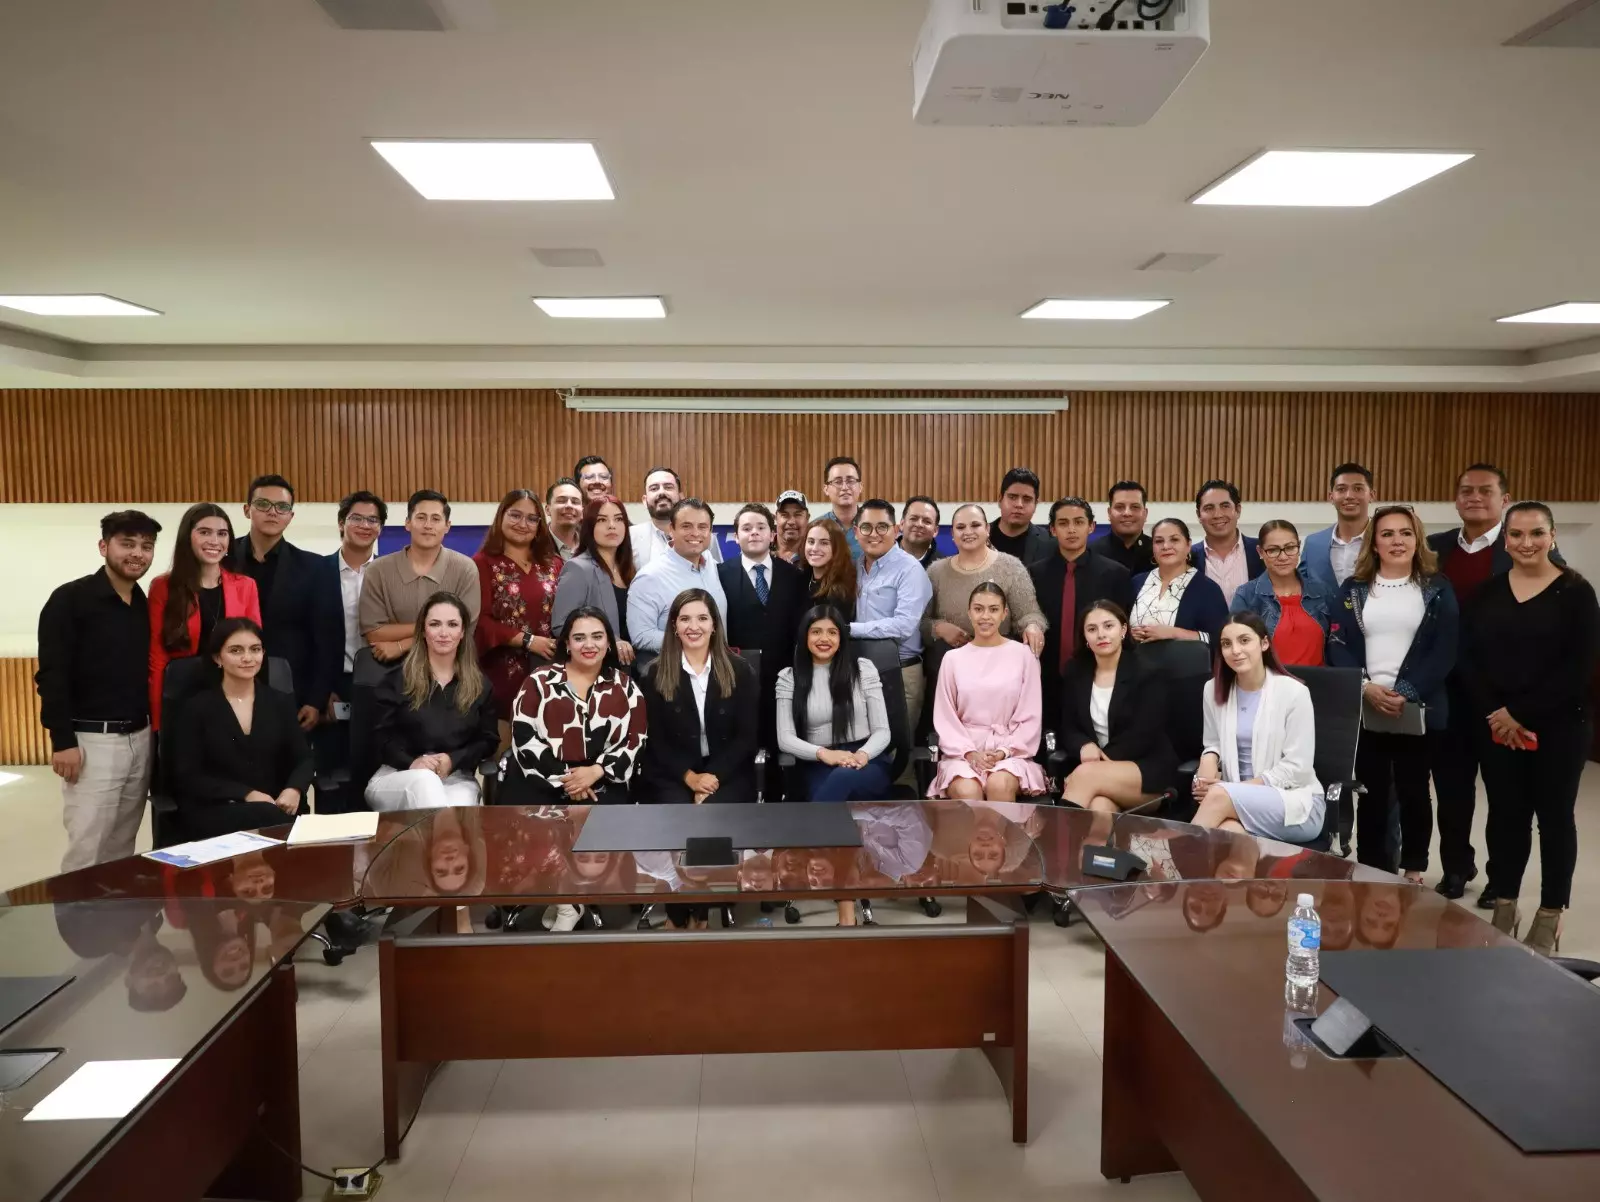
685 565
892 595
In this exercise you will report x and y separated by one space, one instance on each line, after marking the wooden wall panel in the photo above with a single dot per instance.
168 446
22 739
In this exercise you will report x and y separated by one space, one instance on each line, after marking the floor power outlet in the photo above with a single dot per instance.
354 1183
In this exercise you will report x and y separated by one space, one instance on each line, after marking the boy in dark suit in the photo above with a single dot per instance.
766 597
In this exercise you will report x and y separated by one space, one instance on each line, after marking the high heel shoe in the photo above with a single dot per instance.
1506 919
1544 935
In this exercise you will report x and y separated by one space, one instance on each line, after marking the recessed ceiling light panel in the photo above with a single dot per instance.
1093 310
1326 178
466 170
1570 313
634 307
77 305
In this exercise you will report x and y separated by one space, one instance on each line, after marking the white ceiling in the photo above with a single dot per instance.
207 158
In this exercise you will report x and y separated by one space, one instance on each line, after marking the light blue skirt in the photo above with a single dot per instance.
1260 810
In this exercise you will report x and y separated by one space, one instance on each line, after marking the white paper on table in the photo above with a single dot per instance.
206 851
101 1089
334 828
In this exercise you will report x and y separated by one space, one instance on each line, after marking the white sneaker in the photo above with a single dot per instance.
566 917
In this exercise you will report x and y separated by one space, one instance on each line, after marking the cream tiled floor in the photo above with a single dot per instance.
889 1126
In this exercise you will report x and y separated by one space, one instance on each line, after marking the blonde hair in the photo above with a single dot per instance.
416 677
1424 563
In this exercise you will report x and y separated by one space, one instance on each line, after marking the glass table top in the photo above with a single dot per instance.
522 855
151 979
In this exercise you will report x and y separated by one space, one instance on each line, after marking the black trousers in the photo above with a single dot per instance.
1523 785
1455 781
1394 769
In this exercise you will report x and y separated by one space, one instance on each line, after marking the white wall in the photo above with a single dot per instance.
46 545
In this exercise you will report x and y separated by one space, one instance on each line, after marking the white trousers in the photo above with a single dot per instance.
103 810
420 789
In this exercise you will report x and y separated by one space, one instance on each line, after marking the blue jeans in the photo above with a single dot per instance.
823 782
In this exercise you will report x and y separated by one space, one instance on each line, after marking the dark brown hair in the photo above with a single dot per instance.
624 552
544 543
1222 676
183 578
837 584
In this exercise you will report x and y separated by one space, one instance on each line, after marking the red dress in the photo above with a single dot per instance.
511 601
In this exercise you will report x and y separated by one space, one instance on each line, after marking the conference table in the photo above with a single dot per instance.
196 995
1203 1071
961 982
625 992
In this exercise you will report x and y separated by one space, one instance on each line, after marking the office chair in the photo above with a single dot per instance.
1336 702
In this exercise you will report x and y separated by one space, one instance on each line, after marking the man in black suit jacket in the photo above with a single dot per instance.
302 617
771 626
1095 578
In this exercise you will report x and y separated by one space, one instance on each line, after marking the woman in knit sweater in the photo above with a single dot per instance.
831 714
975 561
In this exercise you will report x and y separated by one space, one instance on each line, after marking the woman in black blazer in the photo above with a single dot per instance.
1113 719
241 760
703 711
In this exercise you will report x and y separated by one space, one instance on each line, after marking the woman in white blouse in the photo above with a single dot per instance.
1175 600
1256 774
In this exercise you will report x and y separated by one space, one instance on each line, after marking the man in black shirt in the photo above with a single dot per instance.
1127 543
1013 531
94 693
302 614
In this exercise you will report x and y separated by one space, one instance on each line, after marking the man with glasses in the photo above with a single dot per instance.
841 484
892 594
663 488
593 475
1330 555
299 596
1224 555
397 585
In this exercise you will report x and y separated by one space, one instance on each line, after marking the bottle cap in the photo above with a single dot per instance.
1305 899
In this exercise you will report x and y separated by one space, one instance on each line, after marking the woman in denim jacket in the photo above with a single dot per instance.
1294 606
1397 621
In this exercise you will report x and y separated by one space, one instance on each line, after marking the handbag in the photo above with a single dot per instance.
1411 720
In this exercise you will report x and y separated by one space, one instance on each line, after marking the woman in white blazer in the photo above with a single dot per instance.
1256 774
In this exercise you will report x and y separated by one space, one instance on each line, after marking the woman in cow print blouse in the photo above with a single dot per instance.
578 726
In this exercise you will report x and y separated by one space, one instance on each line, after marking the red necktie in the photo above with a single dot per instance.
1069 614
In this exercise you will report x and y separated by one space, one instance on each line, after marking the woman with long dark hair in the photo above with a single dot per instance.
241 759
435 718
987 710
600 573
831 714
1528 650
518 567
1396 620
1256 774
1114 714
704 711
578 727
1176 600
828 570
187 601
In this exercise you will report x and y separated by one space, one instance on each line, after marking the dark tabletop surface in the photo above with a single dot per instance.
152 980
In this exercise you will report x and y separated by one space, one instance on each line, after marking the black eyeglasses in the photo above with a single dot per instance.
262 505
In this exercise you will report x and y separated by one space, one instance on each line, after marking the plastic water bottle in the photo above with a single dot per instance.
1298 1003
1305 941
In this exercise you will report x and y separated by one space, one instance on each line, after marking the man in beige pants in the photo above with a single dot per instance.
94 699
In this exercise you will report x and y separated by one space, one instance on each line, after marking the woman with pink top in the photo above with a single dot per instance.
986 710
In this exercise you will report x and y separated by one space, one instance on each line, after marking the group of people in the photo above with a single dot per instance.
601 661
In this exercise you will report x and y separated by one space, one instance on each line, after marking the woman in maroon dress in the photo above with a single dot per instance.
518 566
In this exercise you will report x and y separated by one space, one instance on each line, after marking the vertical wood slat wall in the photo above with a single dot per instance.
22 739
146 446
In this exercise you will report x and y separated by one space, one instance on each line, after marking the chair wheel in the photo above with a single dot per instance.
494 919
791 915
931 906
333 955
727 916
768 907
1064 914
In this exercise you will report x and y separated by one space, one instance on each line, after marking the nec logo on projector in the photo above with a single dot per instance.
983 62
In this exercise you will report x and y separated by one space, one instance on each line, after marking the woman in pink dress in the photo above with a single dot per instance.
986 710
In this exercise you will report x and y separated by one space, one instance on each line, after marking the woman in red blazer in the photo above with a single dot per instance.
195 595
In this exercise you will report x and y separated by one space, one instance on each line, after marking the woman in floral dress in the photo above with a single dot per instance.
518 567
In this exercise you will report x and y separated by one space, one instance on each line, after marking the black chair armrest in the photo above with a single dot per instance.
1589 970
1188 767
160 803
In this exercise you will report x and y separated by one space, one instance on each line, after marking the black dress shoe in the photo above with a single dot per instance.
1486 899
1454 885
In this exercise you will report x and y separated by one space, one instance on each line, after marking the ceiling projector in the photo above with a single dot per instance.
1005 62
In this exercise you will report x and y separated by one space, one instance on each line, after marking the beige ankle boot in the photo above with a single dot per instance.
1506 919
1544 936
